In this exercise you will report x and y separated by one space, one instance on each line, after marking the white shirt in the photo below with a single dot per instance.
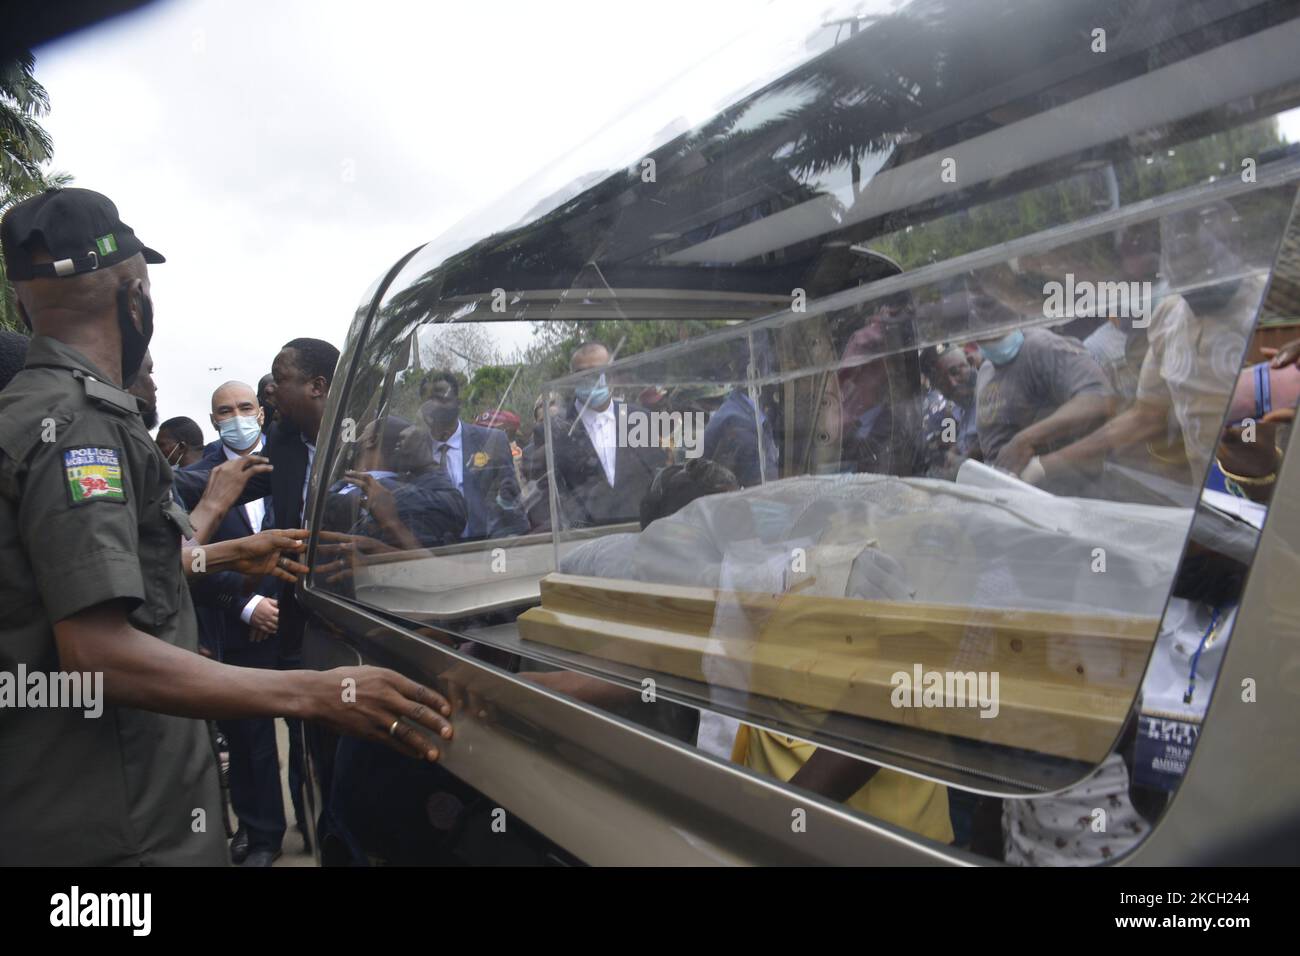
603 432
256 513
352 489
453 459
1192 365
254 510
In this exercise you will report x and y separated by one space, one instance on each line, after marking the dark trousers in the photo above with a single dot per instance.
297 773
297 764
255 760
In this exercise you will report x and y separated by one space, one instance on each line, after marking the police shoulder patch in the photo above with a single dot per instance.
93 474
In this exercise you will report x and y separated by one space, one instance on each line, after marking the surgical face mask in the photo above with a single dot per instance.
239 432
134 341
176 454
593 396
1004 349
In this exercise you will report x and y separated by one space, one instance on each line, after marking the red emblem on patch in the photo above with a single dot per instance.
93 485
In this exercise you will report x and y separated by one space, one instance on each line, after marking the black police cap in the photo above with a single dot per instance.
79 228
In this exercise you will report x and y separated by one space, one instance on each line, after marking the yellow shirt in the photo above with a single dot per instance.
898 798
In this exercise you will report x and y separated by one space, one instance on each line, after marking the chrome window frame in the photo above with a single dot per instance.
664 802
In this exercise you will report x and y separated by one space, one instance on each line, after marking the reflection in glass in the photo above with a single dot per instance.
884 474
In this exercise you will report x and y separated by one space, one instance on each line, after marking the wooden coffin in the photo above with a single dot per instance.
1064 681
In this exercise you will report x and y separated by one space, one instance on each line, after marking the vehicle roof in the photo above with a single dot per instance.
929 75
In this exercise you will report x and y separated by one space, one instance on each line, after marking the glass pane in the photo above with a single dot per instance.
886 464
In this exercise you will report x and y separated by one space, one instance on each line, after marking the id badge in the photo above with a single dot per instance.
1164 746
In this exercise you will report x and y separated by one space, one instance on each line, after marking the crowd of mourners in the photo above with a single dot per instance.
111 536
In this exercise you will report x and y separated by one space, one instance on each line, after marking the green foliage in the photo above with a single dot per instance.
25 148
487 386
555 342
515 382
1067 200
24 145
405 399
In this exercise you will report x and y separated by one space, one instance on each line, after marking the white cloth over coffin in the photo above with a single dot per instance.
927 540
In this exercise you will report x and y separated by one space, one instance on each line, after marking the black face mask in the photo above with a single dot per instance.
134 342
1210 299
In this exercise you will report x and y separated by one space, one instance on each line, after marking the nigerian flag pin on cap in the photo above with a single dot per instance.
79 229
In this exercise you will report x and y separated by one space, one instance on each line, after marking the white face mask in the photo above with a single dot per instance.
240 432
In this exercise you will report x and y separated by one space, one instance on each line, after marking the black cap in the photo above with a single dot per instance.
79 228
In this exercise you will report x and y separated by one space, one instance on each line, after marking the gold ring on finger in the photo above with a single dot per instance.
392 731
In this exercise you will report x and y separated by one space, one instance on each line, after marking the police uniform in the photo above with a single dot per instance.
87 516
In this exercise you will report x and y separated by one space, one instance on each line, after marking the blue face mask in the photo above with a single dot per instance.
1004 349
593 396
240 432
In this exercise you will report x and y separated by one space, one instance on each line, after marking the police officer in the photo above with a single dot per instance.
92 589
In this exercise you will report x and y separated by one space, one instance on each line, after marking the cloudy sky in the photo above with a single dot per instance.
283 155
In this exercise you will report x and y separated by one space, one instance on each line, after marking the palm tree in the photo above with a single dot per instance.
25 147
24 144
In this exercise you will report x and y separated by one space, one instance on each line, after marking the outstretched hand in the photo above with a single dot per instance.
227 480
268 552
382 706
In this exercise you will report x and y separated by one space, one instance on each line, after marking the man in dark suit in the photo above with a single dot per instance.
386 496
238 620
477 460
600 479
731 439
303 371
266 399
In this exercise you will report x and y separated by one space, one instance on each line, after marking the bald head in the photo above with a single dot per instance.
235 406
232 395
596 395
588 355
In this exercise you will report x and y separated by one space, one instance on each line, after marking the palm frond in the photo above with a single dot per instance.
18 83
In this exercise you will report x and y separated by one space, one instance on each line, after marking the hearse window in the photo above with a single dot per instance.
858 459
